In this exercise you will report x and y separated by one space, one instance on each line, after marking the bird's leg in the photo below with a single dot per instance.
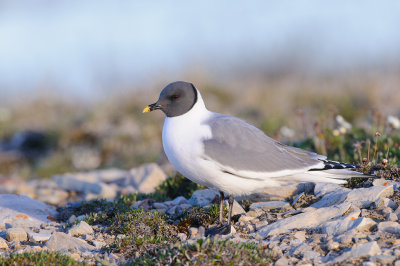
221 207
221 228
230 201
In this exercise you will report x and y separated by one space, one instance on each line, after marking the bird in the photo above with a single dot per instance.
229 155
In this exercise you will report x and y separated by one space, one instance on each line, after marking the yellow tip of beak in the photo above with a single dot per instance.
146 109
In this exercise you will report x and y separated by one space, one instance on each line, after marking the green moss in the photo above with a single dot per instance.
200 216
38 258
177 185
144 232
208 252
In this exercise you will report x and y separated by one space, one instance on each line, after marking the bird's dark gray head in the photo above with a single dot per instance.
177 98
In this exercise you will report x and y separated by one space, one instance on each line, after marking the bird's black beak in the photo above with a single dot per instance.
152 107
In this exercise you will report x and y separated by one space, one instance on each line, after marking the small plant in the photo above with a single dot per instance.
38 258
208 252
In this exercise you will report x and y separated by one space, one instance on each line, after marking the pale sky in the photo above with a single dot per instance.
77 45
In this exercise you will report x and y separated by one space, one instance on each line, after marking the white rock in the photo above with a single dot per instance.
23 211
304 220
59 241
282 193
81 229
237 209
364 250
86 183
203 197
182 236
297 198
382 182
337 227
72 219
383 259
179 200
383 202
98 244
364 197
193 231
269 205
322 189
331 198
392 217
311 255
38 237
16 233
111 175
389 227
159 205
146 178
3 243
283 261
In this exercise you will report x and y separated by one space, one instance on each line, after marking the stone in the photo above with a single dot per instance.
358 251
51 196
383 202
22 211
260 224
61 241
311 255
16 233
331 198
364 197
203 197
321 189
72 219
340 226
389 227
38 237
146 178
111 175
159 205
368 263
333 245
202 231
179 200
298 197
15 244
193 232
283 261
80 229
85 183
98 244
244 219
284 192
270 205
3 243
382 182
392 217
237 209
383 259
182 236
304 220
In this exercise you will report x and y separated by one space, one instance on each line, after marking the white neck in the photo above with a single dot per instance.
198 111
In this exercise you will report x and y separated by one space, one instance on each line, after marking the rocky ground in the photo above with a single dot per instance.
135 223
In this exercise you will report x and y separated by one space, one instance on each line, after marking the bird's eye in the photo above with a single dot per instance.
174 97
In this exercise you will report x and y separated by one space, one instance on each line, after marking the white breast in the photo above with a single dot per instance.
182 140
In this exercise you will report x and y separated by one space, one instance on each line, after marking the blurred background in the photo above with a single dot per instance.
75 75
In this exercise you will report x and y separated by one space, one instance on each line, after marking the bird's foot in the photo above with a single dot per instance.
221 229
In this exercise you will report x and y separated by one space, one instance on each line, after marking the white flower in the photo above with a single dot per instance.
287 132
393 121
342 122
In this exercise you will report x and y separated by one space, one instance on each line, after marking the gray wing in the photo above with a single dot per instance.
238 145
